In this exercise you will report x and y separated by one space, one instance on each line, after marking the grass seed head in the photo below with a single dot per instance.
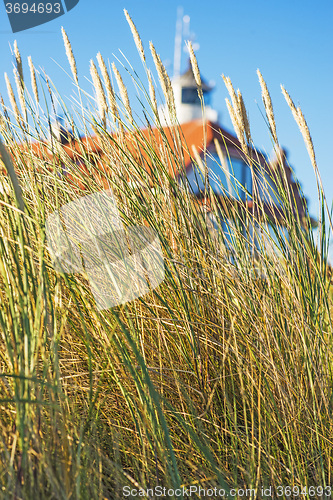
33 80
290 104
237 126
108 85
18 60
194 64
233 97
136 36
123 92
20 93
307 137
70 55
99 91
152 93
12 99
165 81
245 118
160 69
268 106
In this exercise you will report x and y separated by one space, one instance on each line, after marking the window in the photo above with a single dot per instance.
221 182
190 96
229 183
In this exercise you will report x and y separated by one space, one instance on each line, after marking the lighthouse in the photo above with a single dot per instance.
185 90
187 101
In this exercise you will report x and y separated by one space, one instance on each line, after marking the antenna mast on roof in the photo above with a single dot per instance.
178 43
189 35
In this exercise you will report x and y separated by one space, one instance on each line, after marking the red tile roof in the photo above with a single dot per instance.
191 134
146 145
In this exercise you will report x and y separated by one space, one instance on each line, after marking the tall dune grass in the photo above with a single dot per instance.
221 377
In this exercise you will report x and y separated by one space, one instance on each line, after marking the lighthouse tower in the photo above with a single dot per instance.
187 101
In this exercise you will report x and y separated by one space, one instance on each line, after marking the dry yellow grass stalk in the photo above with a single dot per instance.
194 64
20 93
99 91
165 81
109 89
18 61
307 137
152 93
2 123
160 69
171 96
237 126
268 106
12 99
301 122
224 164
304 129
234 98
4 155
18 75
136 36
303 126
290 104
245 118
123 92
3 115
239 121
199 161
33 80
70 55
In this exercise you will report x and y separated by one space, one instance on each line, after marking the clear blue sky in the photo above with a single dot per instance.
291 41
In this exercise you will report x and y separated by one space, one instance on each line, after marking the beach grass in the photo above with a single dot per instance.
221 377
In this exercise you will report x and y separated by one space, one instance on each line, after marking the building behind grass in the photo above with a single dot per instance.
209 155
